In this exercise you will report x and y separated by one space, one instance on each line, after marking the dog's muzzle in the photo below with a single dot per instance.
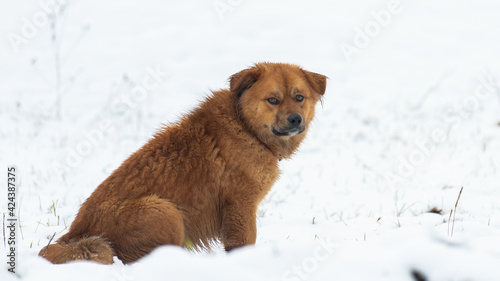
294 127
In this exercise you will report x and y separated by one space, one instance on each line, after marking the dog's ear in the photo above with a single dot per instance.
317 81
243 80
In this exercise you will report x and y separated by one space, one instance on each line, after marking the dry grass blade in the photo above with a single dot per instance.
449 219
455 211
19 219
51 238
37 224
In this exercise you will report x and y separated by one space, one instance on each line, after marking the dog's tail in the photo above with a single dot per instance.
92 248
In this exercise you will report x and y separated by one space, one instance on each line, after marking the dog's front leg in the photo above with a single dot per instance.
239 225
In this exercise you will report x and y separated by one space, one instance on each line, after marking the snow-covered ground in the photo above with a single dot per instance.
411 115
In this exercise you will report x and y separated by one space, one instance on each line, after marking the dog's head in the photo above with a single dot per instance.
277 100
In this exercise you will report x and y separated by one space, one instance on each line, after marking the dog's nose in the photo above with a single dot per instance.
295 120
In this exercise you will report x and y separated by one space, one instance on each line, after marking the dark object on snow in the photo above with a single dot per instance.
435 210
418 276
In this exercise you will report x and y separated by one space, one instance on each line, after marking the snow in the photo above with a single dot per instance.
411 115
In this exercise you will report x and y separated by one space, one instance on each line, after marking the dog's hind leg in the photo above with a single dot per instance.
129 229
145 224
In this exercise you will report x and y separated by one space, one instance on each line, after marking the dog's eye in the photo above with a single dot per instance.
299 98
273 101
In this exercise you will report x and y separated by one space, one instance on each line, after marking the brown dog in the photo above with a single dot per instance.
199 180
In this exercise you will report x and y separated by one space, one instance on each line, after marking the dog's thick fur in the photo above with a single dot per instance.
199 180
